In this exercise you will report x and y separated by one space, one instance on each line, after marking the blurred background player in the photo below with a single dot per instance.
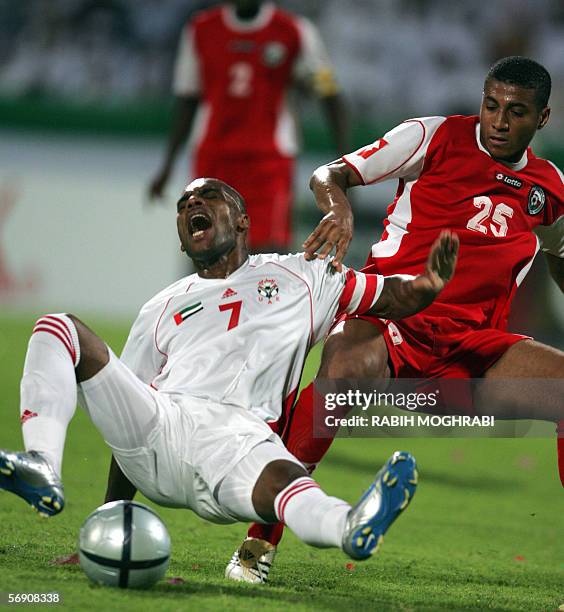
235 66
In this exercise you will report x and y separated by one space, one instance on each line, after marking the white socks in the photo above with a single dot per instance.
48 386
316 518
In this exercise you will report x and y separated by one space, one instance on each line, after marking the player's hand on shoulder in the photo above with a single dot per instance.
334 231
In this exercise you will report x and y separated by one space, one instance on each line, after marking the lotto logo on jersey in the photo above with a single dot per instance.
268 290
512 181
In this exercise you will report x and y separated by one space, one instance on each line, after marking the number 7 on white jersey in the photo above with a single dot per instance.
235 308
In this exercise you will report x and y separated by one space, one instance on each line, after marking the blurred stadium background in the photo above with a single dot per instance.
85 106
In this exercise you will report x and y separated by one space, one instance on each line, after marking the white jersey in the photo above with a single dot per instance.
243 340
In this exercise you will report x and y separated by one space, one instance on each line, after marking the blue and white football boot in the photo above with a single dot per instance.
385 499
28 475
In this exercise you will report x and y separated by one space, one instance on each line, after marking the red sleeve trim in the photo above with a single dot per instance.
369 293
348 290
356 170
379 178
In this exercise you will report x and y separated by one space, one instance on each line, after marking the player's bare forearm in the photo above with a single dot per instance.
119 486
400 298
329 184
556 268
182 124
338 119
405 296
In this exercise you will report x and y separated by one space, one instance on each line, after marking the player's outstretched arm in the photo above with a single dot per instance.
184 113
119 486
329 184
402 297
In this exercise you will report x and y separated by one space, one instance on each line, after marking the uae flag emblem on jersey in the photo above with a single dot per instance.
183 314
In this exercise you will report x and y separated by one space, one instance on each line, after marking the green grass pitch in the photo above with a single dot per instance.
485 530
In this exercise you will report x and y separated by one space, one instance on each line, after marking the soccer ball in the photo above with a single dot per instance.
124 544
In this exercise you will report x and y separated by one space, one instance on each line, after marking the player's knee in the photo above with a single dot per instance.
275 477
94 354
356 349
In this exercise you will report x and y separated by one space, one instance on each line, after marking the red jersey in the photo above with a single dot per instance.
502 213
242 71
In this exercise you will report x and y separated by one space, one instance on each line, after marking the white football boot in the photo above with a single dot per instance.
251 562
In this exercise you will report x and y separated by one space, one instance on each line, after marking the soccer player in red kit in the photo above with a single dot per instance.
235 66
478 177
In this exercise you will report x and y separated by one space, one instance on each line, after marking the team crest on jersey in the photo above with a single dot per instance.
268 291
274 53
512 181
537 200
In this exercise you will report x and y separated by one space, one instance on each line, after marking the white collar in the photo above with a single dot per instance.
264 15
200 279
516 166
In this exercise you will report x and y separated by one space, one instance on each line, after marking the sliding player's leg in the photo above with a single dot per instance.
61 353
354 349
536 389
284 491
59 349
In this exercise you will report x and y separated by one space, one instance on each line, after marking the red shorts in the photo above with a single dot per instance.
432 348
266 185
439 347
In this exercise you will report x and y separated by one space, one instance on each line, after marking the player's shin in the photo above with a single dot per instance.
48 386
316 518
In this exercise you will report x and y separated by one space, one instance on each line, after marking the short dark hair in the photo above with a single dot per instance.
523 72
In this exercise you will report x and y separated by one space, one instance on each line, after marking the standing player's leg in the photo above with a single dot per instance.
284 491
268 194
531 361
537 396
354 349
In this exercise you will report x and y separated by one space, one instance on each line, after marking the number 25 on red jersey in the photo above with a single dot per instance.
489 218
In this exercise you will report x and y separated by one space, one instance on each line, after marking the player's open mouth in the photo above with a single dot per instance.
198 224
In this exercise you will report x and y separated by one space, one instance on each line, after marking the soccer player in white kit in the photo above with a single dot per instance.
207 362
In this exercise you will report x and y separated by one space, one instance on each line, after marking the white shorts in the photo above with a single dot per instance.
175 449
